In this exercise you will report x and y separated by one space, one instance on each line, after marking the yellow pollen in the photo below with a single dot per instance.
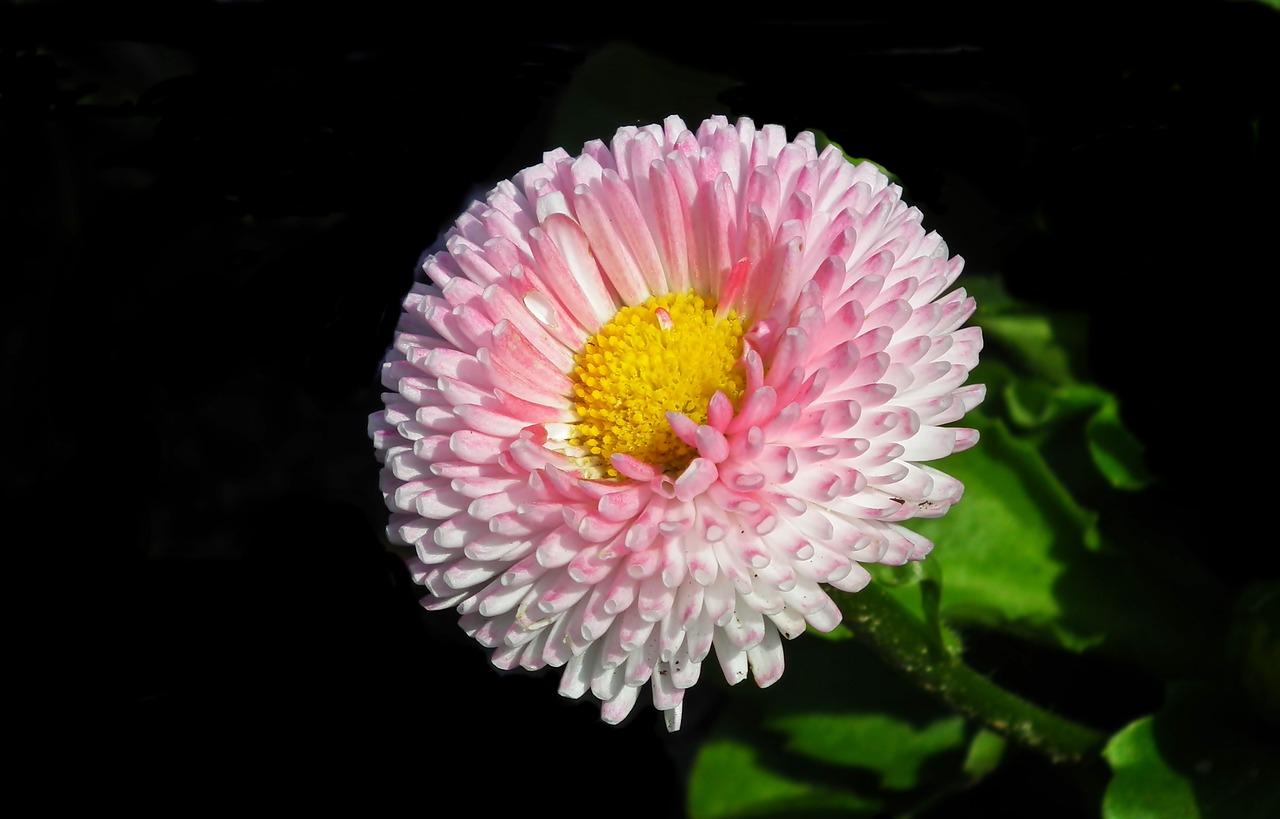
670 353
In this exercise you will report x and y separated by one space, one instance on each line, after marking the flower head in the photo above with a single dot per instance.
655 396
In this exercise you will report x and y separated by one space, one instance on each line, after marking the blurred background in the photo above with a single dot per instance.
212 210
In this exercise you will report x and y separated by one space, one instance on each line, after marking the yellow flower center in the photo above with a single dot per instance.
670 353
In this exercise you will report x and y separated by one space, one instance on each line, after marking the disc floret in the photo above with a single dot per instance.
670 353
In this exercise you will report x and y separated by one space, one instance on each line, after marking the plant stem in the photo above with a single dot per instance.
902 639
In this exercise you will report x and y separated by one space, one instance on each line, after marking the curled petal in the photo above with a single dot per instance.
649 403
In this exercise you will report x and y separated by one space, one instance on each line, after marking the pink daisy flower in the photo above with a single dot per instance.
655 396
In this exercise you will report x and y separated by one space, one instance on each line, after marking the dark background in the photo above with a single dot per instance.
211 211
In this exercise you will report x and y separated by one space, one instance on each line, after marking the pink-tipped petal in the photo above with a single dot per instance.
563 543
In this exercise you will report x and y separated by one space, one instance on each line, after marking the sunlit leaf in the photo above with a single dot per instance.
873 741
1144 786
823 141
985 753
1028 551
1006 547
1032 341
839 735
1197 759
1021 556
729 780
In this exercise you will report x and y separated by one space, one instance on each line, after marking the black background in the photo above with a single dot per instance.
211 211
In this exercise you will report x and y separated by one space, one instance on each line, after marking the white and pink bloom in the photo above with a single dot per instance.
655 396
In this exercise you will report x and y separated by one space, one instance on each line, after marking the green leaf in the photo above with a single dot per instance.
1199 758
839 735
1032 340
1115 450
1020 555
822 141
1041 545
730 779
837 635
985 753
1042 409
883 742
1144 786
1005 548
1031 364
1048 345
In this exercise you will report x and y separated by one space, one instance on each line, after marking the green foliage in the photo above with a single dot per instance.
822 141
918 586
1034 356
1201 757
1045 547
1040 549
806 748
1009 543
